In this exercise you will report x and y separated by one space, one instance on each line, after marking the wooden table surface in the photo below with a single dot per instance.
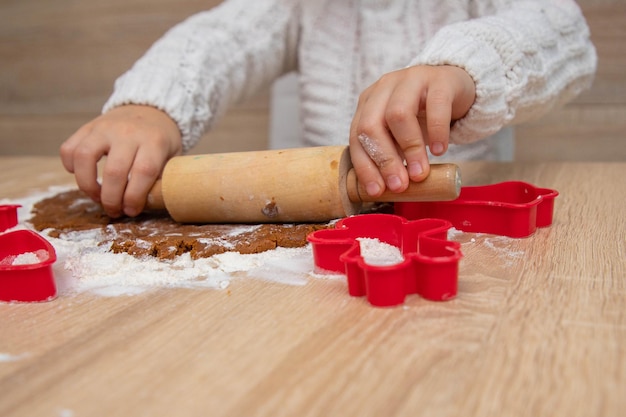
538 329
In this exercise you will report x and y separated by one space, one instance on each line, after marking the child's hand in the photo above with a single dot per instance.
401 114
137 140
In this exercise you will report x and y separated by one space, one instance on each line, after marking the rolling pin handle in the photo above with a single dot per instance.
155 200
442 184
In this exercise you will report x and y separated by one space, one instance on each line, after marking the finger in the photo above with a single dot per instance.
366 170
67 150
438 118
146 169
115 177
376 140
85 165
401 117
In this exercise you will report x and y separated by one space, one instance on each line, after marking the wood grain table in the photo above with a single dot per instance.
538 329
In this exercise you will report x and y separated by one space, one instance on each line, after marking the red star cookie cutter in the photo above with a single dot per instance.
419 230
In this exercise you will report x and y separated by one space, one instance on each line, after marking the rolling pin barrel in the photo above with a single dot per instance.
279 186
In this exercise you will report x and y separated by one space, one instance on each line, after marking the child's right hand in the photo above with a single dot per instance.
137 141
400 115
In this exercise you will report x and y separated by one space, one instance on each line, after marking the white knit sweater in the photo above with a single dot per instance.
524 56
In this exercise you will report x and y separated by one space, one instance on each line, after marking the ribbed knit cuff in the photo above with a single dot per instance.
454 46
155 88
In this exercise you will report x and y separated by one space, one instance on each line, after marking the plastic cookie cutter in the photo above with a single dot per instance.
8 216
429 268
419 229
512 208
26 261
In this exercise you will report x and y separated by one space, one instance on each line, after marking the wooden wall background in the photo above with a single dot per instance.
58 61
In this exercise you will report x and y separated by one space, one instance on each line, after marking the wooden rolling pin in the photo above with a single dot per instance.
279 186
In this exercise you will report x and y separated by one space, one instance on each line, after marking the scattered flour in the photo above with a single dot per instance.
371 148
7 357
66 412
7 261
454 233
375 252
26 258
84 265
502 245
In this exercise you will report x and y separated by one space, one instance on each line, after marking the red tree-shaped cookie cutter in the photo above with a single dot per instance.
419 229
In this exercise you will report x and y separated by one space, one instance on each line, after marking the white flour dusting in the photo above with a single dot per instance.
375 252
453 233
7 261
502 246
372 148
66 412
85 265
26 258
7 357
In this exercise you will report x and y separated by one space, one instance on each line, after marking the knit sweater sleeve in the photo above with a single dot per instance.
525 57
210 61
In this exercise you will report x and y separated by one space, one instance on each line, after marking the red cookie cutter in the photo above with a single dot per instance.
430 266
419 229
511 208
32 278
8 216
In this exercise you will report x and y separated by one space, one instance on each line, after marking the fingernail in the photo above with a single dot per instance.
436 148
394 182
372 188
415 169
130 212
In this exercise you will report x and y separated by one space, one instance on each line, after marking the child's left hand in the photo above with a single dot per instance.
401 114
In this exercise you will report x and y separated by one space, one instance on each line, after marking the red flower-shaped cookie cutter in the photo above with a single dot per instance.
30 279
430 266
419 229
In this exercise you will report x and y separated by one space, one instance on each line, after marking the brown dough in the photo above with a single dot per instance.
157 235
